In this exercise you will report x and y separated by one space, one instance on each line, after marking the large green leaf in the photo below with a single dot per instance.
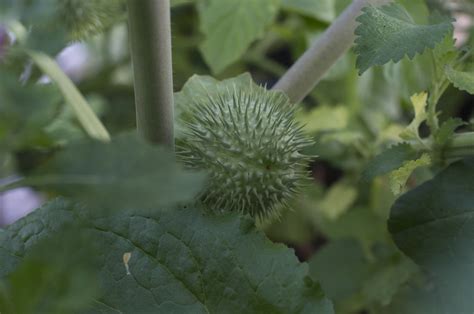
230 26
181 261
389 33
433 224
126 173
55 274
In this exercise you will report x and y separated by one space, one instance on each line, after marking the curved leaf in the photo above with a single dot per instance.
231 26
461 80
389 33
434 225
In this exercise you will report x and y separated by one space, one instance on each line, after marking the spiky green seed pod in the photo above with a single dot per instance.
250 144
85 18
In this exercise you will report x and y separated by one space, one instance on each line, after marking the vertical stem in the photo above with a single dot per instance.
150 41
305 74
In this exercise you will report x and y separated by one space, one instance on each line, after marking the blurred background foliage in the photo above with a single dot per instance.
339 225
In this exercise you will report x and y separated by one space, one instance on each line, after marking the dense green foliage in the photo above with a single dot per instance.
371 176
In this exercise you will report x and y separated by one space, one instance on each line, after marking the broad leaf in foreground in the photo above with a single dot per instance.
126 173
389 33
231 26
433 224
55 274
180 261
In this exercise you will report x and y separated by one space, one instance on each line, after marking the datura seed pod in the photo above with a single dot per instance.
249 142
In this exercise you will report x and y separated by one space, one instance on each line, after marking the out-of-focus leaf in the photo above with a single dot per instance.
461 80
353 281
391 159
44 32
338 200
55 274
324 118
230 26
433 224
24 112
178 261
126 173
324 10
359 223
389 33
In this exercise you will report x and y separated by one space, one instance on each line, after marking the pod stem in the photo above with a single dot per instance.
150 46
310 68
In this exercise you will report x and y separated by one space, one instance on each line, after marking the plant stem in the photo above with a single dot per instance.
462 145
308 70
150 41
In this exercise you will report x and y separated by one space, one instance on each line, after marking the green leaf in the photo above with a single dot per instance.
389 33
359 223
445 53
126 173
362 283
391 159
415 297
324 10
461 80
446 131
420 102
433 224
89 121
338 200
399 177
24 112
230 26
324 118
180 261
54 276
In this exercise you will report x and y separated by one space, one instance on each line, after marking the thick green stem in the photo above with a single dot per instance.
462 145
305 74
150 45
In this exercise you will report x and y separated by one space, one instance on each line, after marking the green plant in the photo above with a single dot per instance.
367 150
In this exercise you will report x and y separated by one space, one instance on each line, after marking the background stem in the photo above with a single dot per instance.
461 145
150 45
305 74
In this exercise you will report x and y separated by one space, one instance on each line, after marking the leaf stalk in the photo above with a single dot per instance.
311 67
